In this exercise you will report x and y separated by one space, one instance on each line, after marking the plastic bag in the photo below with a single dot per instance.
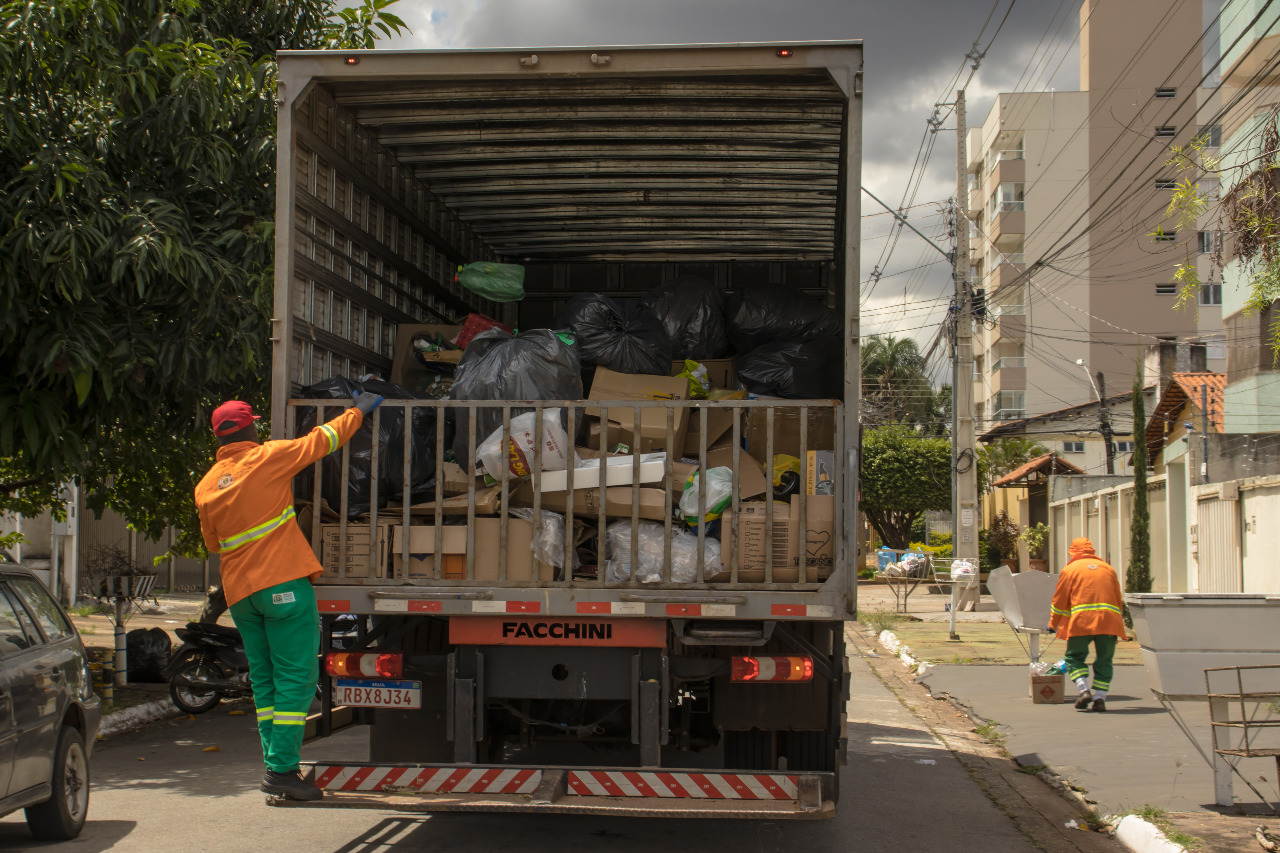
768 313
517 454
422 461
475 325
719 494
623 338
548 537
147 652
499 282
699 382
691 310
914 565
798 369
536 365
651 553
782 464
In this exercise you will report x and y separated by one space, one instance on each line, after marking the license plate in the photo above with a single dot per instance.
364 693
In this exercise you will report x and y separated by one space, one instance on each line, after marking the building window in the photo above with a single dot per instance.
1209 187
1211 293
1073 447
1163 236
1166 131
1166 184
1207 241
1215 348
1123 446
1167 288
1212 134
1166 93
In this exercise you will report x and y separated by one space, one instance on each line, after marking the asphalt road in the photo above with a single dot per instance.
158 790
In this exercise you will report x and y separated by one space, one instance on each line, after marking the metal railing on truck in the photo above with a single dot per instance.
768 413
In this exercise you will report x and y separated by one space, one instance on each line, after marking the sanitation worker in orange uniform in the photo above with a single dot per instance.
1087 611
267 567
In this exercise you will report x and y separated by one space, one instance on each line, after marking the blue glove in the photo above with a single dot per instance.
365 401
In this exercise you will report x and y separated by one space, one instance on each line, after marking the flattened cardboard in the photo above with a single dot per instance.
423 551
405 369
820 535
786 431
455 481
651 432
488 501
719 424
586 502
752 481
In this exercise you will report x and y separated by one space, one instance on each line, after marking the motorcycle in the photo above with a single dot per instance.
211 664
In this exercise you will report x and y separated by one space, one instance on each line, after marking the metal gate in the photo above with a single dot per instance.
1218 545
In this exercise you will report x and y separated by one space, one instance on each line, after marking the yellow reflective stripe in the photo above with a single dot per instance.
333 436
265 713
258 532
1081 608
1059 612
290 718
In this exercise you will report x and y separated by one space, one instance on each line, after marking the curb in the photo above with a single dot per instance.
890 642
1142 836
139 715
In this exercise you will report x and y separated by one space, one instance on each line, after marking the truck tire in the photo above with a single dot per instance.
62 816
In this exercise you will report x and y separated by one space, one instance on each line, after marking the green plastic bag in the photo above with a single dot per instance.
499 282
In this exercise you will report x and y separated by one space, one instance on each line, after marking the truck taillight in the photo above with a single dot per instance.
773 668
364 664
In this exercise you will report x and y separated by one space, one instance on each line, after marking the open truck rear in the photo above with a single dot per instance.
491 678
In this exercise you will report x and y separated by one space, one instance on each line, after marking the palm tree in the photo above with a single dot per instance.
1004 455
895 388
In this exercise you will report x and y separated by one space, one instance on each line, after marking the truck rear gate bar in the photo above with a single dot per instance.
674 793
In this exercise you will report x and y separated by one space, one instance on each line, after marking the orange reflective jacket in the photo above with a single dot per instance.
1087 600
246 507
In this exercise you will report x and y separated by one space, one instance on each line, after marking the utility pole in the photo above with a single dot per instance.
964 474
1104 415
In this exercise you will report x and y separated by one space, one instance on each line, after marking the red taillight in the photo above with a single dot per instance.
773 668
784 52
364 664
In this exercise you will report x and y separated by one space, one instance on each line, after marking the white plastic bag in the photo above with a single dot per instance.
719 494
651 552
517 455
548 537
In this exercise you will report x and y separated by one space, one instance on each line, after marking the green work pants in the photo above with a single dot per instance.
281 630
1104 646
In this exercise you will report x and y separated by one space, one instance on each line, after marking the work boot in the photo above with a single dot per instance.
290 785
1099 705
1083 700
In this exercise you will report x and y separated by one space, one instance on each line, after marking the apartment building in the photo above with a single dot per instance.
1071 247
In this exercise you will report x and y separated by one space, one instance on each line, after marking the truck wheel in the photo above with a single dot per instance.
189 698
62 816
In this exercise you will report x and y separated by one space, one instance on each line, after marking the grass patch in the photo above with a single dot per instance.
879 620
960 660
1159 817
1033 769
88 629
83 610
991 732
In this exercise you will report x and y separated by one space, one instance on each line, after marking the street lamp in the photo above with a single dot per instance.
1104 416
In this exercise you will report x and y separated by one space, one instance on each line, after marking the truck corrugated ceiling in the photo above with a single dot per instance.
726 166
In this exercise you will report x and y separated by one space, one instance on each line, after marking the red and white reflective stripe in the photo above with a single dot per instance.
405 605
702 786
614 608
449 780
702 610
811 611
333 606
506 607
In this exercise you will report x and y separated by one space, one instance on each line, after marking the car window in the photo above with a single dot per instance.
16 630
43 608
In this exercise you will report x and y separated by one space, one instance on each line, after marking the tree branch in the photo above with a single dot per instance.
22 484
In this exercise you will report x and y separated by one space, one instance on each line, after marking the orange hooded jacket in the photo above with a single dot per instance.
1087 600
246 507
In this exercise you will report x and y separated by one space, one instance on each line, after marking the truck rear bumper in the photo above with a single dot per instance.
612 791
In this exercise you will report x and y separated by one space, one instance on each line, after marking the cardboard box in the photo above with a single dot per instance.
820 472
719 425
423 551
1049 689
650 434
455 481
405 368
820 535
586 502
354 552
752 481
786 431
749 553
488 501
720 371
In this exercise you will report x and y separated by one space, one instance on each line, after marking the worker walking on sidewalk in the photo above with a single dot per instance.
1086 611
246 515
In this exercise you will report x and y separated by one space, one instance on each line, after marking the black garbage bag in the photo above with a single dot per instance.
147 652
692 313
759 314
535 365
422 463
624 338
806 370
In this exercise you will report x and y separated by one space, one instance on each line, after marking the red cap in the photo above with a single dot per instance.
232 416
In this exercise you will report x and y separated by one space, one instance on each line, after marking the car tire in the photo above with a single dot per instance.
184 697
62 816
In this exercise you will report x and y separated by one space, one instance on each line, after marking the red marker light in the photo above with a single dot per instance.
352 60
784 52
364 665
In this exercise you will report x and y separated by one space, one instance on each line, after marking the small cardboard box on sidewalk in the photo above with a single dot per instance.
1049 689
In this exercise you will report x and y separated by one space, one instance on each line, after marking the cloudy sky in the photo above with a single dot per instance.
913 52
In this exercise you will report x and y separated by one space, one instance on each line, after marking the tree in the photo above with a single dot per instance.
903 475
136 221
1004 455
1137 577
895 387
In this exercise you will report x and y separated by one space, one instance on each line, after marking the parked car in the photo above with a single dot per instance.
48 712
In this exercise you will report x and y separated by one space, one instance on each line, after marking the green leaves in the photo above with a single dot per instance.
903 474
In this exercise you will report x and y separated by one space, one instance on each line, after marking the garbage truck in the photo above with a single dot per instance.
580 588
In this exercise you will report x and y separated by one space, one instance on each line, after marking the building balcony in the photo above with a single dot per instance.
1002 415
1011 169
1009 322
1008 374
1005 273
975 201
1010 218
